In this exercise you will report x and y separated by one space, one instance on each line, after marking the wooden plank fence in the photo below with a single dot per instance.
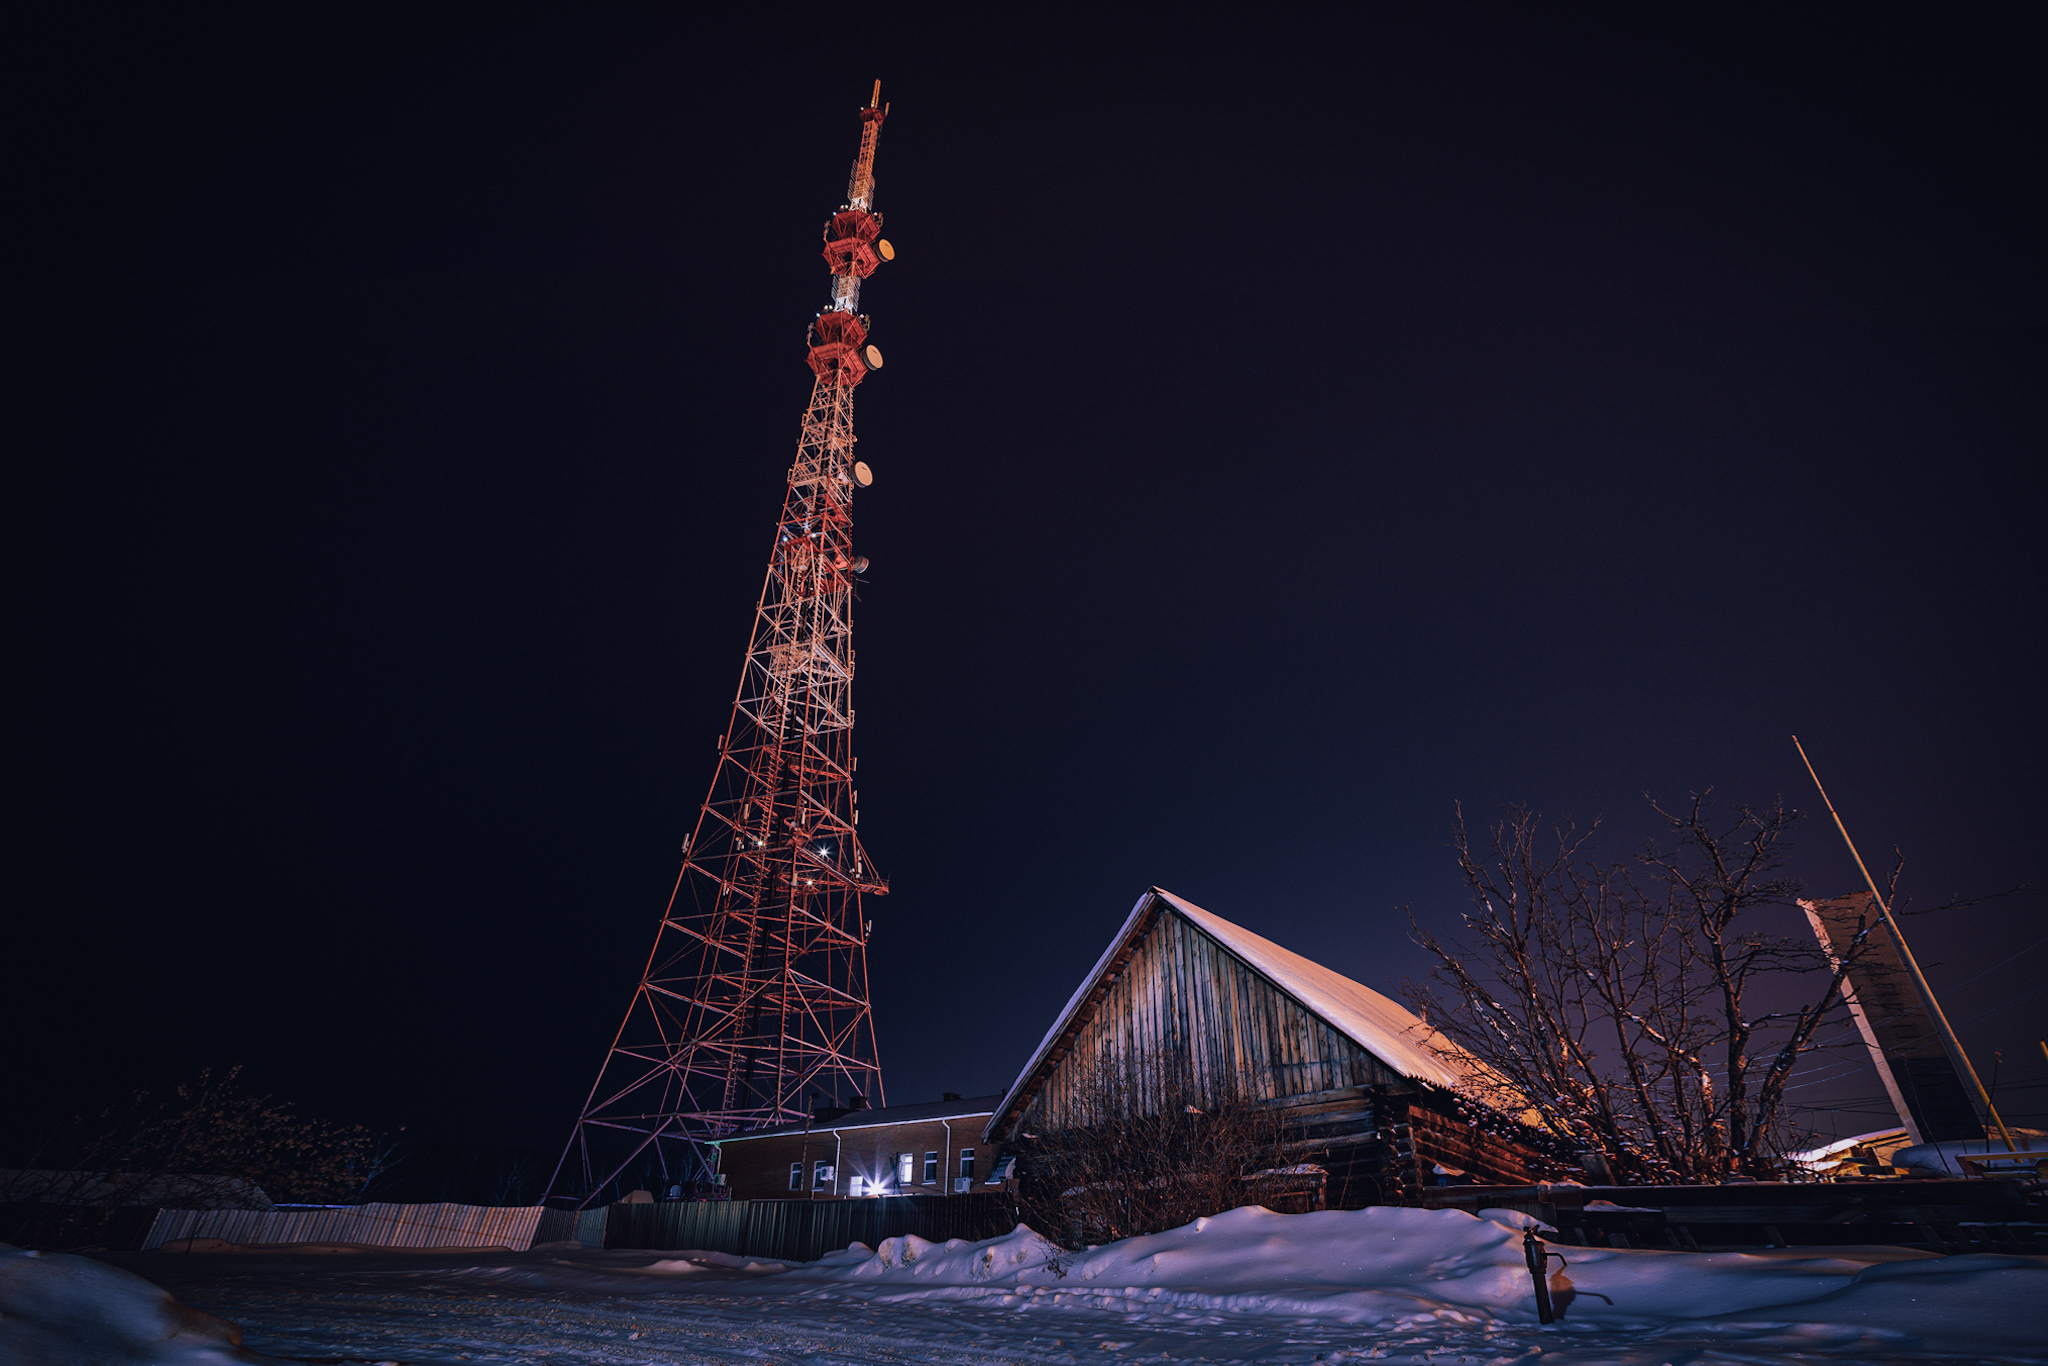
1946 1214
805 1230
374 1225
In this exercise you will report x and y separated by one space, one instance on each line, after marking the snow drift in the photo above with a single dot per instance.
1389 1266
1364 1266
59 1310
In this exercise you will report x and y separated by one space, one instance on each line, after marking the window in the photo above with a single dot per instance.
796 1176
906 1168
931 1168
856 1186
821 1177
967 1162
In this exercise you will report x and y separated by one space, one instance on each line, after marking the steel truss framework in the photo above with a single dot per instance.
753 1007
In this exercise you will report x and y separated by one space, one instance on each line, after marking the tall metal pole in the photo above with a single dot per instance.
1955 1045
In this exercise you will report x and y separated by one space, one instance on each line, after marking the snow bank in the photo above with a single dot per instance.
1981 1304
1389 1266
694 1260
72 1311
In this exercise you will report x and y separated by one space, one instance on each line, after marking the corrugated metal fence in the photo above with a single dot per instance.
805 1230
782 1230
369 1225
585 1226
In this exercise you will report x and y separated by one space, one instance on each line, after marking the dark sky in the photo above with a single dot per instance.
1288 433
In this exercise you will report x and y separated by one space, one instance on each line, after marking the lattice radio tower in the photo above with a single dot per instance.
753 1006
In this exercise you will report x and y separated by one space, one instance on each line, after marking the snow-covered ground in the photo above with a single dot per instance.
1380 1285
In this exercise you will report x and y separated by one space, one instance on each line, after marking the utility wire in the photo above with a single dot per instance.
1852 1035
2013 1002
1996 966
1916 1042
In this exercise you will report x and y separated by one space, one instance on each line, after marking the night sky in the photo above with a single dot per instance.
1287 433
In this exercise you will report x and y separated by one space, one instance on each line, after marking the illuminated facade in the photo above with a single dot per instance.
930 1149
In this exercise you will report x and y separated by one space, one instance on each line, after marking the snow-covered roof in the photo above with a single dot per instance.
1383 1028
1391 1033
1826 1151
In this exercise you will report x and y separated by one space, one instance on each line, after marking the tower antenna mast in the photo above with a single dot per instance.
755 994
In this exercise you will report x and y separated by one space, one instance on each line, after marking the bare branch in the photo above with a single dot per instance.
1614 1000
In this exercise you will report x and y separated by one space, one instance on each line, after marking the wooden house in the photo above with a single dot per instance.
1368 1092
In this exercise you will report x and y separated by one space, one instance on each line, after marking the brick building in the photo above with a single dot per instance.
934 1148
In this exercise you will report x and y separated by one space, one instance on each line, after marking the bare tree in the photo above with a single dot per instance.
209 1145
1645 1014
518 1178
1148 1148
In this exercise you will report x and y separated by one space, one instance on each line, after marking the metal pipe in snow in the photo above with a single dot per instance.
1538 1258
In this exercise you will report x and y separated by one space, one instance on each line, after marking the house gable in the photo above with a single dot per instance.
1171 986
1381 1103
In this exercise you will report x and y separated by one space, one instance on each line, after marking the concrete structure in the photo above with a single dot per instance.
1907 1047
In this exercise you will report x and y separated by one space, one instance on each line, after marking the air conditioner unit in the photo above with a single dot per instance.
962 1184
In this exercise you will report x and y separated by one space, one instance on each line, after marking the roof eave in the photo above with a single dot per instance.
1153 902
1068 1019
830 1126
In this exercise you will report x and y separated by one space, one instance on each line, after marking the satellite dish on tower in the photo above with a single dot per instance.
888 252
862 475
874 357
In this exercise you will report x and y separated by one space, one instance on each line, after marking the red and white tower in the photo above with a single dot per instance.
753 1007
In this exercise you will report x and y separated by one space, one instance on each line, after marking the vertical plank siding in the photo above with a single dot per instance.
1179 994
1182 995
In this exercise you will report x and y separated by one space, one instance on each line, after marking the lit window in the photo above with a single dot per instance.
796 1176
967 1162
821 1177
856 1186
906 1168
931 1168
